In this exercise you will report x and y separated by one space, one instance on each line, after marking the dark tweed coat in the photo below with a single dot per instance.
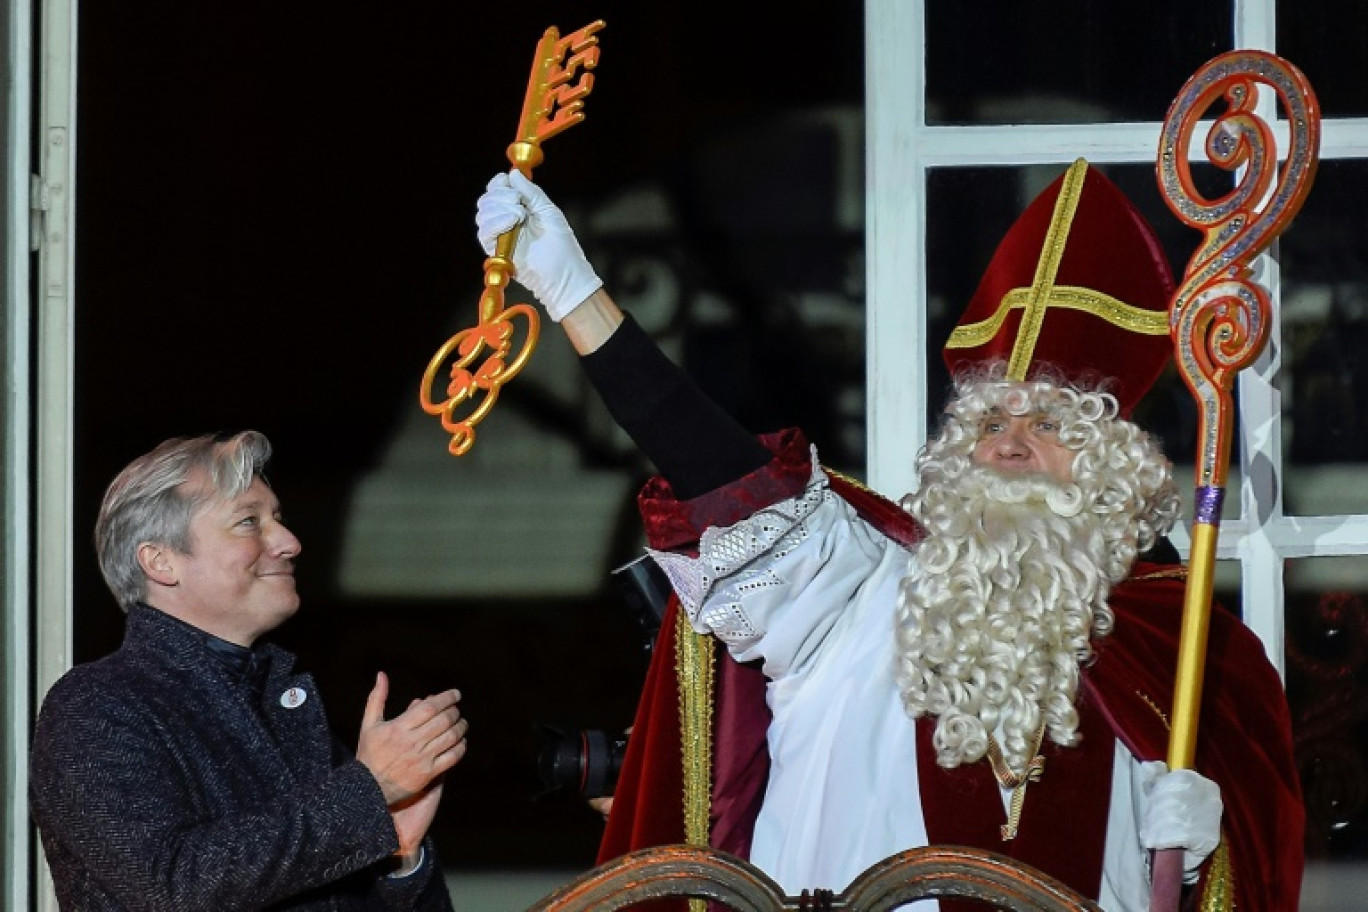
157 785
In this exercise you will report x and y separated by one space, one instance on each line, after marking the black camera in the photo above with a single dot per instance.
588 761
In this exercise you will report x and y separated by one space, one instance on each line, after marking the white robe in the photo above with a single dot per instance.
811 590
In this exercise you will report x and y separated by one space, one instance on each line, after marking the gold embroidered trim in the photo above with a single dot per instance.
1158 711
694 668
1017 782
1219 892
1071 297
853 482
1178 573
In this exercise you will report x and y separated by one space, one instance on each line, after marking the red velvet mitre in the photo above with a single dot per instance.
1079 283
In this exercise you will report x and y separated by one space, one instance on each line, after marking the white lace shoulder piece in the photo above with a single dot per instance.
733 554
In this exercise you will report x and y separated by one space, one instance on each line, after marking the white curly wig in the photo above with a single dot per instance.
1010 585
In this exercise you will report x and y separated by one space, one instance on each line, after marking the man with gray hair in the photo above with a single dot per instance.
194 768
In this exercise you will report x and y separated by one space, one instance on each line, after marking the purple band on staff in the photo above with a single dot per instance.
1207 505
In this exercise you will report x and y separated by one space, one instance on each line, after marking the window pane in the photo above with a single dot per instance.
968 212
1087 61
1327 687
1328 41
1325 337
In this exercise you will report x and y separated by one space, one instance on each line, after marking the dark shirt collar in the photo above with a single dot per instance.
241 662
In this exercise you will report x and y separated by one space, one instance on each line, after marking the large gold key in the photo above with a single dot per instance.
554 103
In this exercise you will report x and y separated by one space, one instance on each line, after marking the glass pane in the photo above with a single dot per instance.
968 212
1328 41
1327 687
1227 587
774 248
1082 63
1325 345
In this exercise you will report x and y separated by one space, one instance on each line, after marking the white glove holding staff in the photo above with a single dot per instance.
1183 811
547 258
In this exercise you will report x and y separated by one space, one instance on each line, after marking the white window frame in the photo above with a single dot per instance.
14 547
900 150
40 174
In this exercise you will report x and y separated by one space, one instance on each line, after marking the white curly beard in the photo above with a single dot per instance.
995 618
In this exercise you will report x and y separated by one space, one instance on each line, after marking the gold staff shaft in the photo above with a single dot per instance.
1187 697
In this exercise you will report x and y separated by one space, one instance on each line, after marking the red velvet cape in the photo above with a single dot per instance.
1245 740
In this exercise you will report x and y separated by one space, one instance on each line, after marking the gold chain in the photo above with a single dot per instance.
1014 781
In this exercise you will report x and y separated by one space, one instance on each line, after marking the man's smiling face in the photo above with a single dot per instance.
237 581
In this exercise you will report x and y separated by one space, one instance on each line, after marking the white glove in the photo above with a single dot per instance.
1182 811
547 259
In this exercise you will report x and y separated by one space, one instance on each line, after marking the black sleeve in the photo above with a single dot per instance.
694 444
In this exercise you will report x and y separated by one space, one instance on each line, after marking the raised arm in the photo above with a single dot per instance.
590 324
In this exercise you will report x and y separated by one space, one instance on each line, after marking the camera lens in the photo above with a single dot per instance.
586 761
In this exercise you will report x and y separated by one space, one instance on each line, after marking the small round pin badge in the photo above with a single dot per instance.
294 697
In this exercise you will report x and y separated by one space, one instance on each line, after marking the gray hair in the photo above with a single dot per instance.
149 502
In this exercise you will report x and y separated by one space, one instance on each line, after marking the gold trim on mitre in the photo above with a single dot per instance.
1071 297
1044 294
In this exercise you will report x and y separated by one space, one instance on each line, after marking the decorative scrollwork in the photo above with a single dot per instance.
1220 318
495 336
706 873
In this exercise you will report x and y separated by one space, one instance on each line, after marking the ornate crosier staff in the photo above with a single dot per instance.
554 103
1219 319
